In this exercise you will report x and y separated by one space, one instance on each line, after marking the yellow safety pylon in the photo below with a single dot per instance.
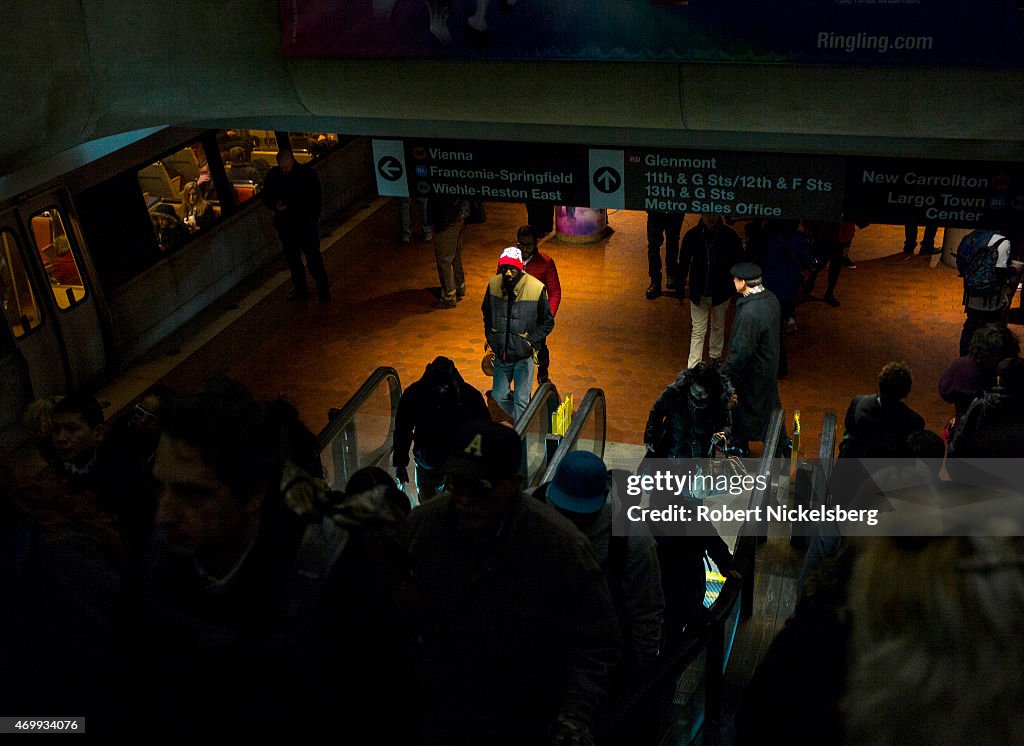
562 417
796 445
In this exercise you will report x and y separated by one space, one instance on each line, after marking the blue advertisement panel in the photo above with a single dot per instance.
885 32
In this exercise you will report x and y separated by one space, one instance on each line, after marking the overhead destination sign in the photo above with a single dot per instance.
963 194
743 185
740 185
736 184
498 171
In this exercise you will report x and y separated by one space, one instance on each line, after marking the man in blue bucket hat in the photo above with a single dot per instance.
579 491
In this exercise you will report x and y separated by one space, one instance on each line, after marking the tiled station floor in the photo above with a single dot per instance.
607 334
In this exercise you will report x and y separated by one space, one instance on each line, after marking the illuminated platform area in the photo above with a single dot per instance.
607 335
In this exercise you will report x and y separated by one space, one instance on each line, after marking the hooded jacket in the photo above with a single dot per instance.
431 411
675 431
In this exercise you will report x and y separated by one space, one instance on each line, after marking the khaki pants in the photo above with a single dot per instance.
448 252
699 328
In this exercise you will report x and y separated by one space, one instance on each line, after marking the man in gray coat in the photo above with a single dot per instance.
753 361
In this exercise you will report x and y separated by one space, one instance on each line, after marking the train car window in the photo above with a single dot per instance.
181 196
19 299
308 146
248 156
55 247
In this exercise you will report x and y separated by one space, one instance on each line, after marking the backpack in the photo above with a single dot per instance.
976 263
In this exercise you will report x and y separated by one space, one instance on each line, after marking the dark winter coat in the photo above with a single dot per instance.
710 255
430 413
877 430
675 431
781 258
301 194
993 427
753 364
518 628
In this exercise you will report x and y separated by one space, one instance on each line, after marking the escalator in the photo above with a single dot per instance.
534 430
587 432
687 688
362 432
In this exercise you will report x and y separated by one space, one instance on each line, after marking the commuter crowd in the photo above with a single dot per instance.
188 570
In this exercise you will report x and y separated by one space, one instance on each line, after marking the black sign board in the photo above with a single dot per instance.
498 171
742 185
964 194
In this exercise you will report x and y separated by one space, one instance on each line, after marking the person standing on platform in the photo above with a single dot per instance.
543 268
405 218
753 361
709 250
827 242
927 240
292 191
667 224
448 216
517 318
541 215
983 260
782 252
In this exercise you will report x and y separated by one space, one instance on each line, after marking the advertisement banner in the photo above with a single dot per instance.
884 32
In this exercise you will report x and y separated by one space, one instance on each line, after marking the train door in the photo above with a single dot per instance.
57 248
36 340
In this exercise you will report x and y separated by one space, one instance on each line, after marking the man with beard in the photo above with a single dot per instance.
430 412
517 318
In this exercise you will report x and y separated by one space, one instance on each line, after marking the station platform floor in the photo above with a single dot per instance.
607 334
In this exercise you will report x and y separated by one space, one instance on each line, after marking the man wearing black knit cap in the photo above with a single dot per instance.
519 632
753 360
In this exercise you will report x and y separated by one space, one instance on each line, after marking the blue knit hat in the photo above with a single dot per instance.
580 484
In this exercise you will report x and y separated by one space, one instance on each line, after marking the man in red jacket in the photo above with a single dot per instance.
543 268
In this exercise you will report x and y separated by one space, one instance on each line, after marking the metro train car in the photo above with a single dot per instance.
101 262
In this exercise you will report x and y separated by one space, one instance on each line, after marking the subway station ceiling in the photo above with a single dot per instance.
82 71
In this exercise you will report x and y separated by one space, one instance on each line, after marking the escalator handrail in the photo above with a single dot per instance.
537 402
758 496
827 449
692 644
579 419
348 412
